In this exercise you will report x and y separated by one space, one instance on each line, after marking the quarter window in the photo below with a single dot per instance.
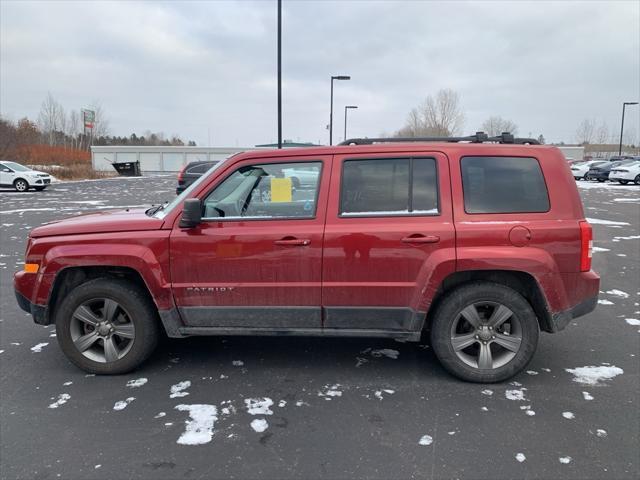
266 191
503 185
387 187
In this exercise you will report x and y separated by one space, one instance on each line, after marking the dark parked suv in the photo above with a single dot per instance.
190 173
479 242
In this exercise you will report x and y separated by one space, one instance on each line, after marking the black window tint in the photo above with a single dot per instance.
503 185
389 187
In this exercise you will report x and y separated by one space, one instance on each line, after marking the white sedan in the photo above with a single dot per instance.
579 170
626 173
22 178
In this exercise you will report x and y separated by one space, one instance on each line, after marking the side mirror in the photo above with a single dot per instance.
191 213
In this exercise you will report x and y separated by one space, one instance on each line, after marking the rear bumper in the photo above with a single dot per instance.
38 312
561 319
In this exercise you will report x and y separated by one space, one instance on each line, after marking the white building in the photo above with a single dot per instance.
158 159
572 152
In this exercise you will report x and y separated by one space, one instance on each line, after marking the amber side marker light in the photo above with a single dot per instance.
31 267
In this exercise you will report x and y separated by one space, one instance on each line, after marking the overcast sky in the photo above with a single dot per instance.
208 68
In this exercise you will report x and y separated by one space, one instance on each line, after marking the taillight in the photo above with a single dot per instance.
586 246
181 173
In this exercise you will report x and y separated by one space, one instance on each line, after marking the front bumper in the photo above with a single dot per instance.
38 312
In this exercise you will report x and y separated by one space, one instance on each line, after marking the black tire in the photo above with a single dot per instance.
448 311
39 189
140 311
623 182
20 185
600 180
637 180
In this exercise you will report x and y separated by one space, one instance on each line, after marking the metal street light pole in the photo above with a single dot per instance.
624 105
346 107
334 77
279 73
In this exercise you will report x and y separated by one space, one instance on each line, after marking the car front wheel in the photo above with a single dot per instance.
21 185
637 180
484 332
39 189
107 326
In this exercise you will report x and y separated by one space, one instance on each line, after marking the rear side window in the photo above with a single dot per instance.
395 186
503 185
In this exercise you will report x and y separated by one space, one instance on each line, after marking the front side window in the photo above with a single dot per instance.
387 187
503 185
266 191
16 167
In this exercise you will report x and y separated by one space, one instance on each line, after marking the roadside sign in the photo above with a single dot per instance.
88 118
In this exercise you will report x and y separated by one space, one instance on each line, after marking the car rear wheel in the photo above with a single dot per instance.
21 185
484 332
107 326
637 180
601 180
623 182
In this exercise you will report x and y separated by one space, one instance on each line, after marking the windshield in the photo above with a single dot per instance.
164 211
17 167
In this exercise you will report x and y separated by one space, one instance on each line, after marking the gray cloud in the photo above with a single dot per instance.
186 67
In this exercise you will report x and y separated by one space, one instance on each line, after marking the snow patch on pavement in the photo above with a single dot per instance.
594 375
122 404
138 382
178 390
259 406
520 457
426 440
517 395
259 425
62 399
598 221
38 348
199 427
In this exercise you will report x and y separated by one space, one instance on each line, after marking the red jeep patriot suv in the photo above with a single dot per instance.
480 241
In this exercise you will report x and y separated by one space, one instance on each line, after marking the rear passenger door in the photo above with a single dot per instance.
389 220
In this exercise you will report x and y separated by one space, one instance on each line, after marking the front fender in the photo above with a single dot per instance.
140 258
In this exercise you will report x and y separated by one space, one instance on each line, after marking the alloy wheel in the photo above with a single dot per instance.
21 185
486 335
102 330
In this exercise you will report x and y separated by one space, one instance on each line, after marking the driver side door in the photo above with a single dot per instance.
254 262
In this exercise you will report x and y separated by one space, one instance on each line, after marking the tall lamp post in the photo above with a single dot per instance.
279 73
334 77
347 107
624 105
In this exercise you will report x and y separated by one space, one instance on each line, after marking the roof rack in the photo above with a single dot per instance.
478 137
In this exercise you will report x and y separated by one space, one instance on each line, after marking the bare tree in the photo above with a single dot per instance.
439 116
442 115
602 134
51 118
585 132
7 137
496 125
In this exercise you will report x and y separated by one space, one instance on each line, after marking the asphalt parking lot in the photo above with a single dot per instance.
321 408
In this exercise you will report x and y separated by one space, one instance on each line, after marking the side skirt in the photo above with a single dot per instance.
300 332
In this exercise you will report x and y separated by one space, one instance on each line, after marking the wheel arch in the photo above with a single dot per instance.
69 278
524 283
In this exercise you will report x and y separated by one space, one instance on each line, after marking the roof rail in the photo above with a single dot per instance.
478 137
